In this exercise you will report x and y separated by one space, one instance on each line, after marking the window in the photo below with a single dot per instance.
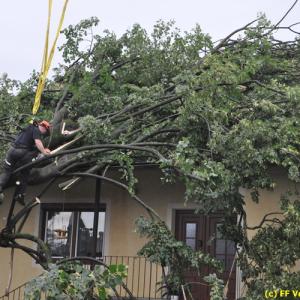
191 235
73 229
224 249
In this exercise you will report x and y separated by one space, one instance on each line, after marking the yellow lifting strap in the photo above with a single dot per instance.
47 58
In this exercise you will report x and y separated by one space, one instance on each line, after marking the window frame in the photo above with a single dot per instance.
74 207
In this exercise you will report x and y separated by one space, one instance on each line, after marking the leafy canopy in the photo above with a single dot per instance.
217 116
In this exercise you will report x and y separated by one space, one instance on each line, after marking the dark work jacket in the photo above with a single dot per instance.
25 139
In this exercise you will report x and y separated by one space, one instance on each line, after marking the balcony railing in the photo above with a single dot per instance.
143 279
16 294
143 276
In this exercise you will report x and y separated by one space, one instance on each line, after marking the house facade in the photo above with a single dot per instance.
98 219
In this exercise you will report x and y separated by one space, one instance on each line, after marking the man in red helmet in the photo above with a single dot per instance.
26 146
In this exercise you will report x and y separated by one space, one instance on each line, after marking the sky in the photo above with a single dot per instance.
23 23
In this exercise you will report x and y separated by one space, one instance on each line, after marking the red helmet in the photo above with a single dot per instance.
45 124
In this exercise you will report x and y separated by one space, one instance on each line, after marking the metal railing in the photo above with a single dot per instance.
143 276
16 294
143 279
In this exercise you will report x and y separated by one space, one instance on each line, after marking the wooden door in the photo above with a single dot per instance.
201 233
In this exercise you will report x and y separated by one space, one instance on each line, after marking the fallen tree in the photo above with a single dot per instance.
216 116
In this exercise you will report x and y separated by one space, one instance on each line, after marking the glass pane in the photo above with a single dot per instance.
221 257
85 234
190 230
59 232
191 243
100 234
230 247
85 241
220 246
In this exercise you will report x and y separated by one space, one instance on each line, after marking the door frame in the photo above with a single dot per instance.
170 222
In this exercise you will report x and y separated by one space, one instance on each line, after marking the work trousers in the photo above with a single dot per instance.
15 158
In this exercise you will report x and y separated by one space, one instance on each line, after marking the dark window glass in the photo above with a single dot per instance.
85 238
230 247
220 246
221 257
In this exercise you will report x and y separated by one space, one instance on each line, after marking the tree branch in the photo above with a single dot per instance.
223 41
137 147
264 220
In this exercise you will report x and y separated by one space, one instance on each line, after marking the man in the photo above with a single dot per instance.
26 146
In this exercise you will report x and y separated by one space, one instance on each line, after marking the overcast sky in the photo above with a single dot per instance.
23 23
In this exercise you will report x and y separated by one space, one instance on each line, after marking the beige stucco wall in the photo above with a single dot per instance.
121 212
270 200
